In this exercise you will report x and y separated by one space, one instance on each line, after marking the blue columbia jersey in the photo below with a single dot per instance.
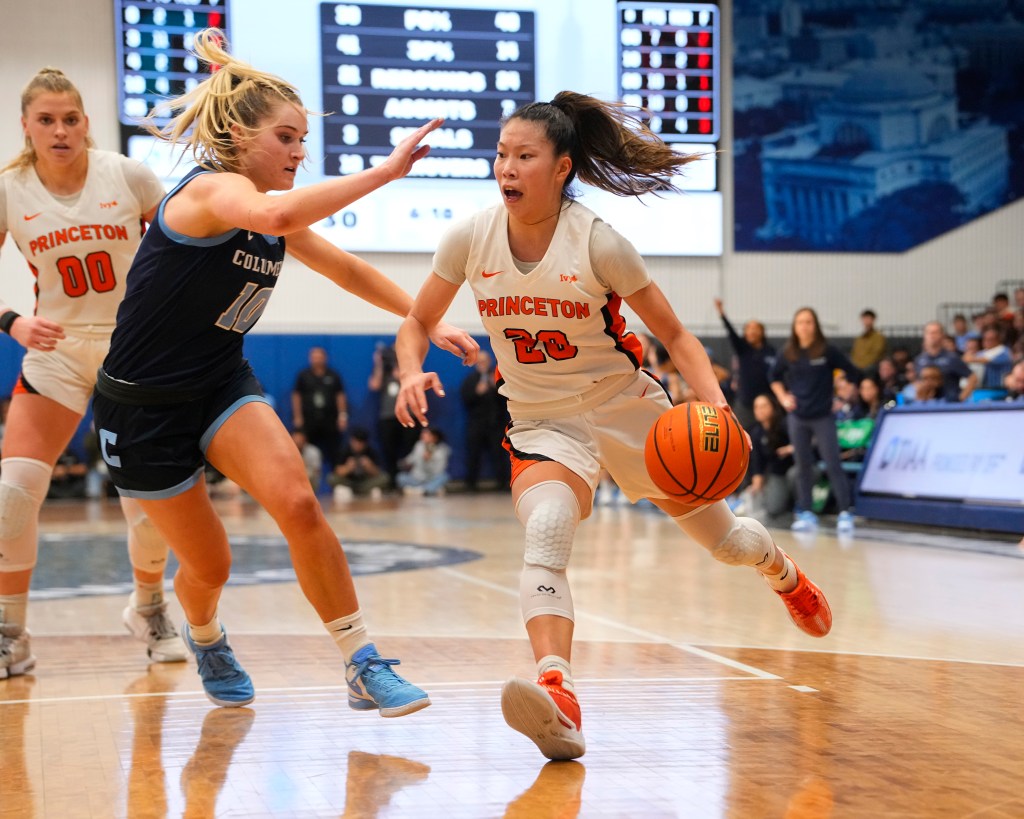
189 302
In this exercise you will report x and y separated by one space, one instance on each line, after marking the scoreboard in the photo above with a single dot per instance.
372 71
387 69
154 59
668 64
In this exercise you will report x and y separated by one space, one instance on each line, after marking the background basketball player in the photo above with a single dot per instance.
77 216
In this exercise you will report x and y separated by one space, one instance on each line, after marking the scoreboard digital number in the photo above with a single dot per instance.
387 69
154 59
669 65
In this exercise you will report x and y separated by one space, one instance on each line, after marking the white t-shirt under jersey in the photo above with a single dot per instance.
80 247
555 326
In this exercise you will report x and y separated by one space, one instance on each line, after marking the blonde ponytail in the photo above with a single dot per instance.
234 95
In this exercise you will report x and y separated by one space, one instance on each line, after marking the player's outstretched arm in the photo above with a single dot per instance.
220 201
362 279
411 347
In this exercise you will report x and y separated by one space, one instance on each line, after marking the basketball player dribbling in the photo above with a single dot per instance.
549 277
76 215
175 389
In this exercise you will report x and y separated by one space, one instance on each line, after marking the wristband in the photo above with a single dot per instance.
7 319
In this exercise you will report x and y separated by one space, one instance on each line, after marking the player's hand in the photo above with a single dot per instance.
409 151
411 404
457 342
718 306
36 333
724 405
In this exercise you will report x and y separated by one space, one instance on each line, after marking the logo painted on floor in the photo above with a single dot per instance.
84 565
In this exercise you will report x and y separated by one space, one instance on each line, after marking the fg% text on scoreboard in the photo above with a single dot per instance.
388 69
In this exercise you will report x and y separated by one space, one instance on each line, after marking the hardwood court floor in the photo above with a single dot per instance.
699 698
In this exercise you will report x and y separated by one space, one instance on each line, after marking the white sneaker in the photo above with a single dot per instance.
805 522
15 651
844 523
151 625
343 493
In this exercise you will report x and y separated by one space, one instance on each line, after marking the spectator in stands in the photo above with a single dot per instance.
319 406
753 359
901 358
802 381
358 470
1001 308
1014 383
972 350
845 400
950 364
1016 331
961 332
68 479
312 458
995 358
486 419
870 346
1017 353
870 398
930 385
396 441
891 379
660 365
426 468
771 458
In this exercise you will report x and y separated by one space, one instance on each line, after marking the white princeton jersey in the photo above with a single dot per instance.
79 253
557 330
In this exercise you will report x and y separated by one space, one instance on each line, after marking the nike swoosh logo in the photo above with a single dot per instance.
28 218
344 628
487 275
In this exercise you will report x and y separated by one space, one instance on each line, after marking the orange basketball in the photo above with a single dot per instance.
696 453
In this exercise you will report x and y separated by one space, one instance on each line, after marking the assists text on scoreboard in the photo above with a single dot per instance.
387 69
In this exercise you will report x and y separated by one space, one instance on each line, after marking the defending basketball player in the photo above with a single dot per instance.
175 389
76 214
549 278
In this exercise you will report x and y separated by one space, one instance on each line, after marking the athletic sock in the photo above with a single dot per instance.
553 662
148 594
349 632
785 579
206 635
14 608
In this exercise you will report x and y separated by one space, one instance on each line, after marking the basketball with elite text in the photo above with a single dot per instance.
697 453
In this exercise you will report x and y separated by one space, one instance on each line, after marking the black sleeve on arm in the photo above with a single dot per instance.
739 343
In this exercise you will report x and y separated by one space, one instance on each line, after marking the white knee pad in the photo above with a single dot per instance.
147 550
550 512
747 544
23 486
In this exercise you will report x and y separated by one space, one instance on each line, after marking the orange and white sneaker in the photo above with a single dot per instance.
807 606
546 713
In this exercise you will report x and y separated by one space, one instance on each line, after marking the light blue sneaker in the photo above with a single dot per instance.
373 685
224 680
844 523
805 521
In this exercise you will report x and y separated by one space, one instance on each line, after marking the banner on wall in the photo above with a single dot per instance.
872 126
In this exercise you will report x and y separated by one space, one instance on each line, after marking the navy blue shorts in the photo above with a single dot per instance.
157 450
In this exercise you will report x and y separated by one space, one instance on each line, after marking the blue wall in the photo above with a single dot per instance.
278 358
